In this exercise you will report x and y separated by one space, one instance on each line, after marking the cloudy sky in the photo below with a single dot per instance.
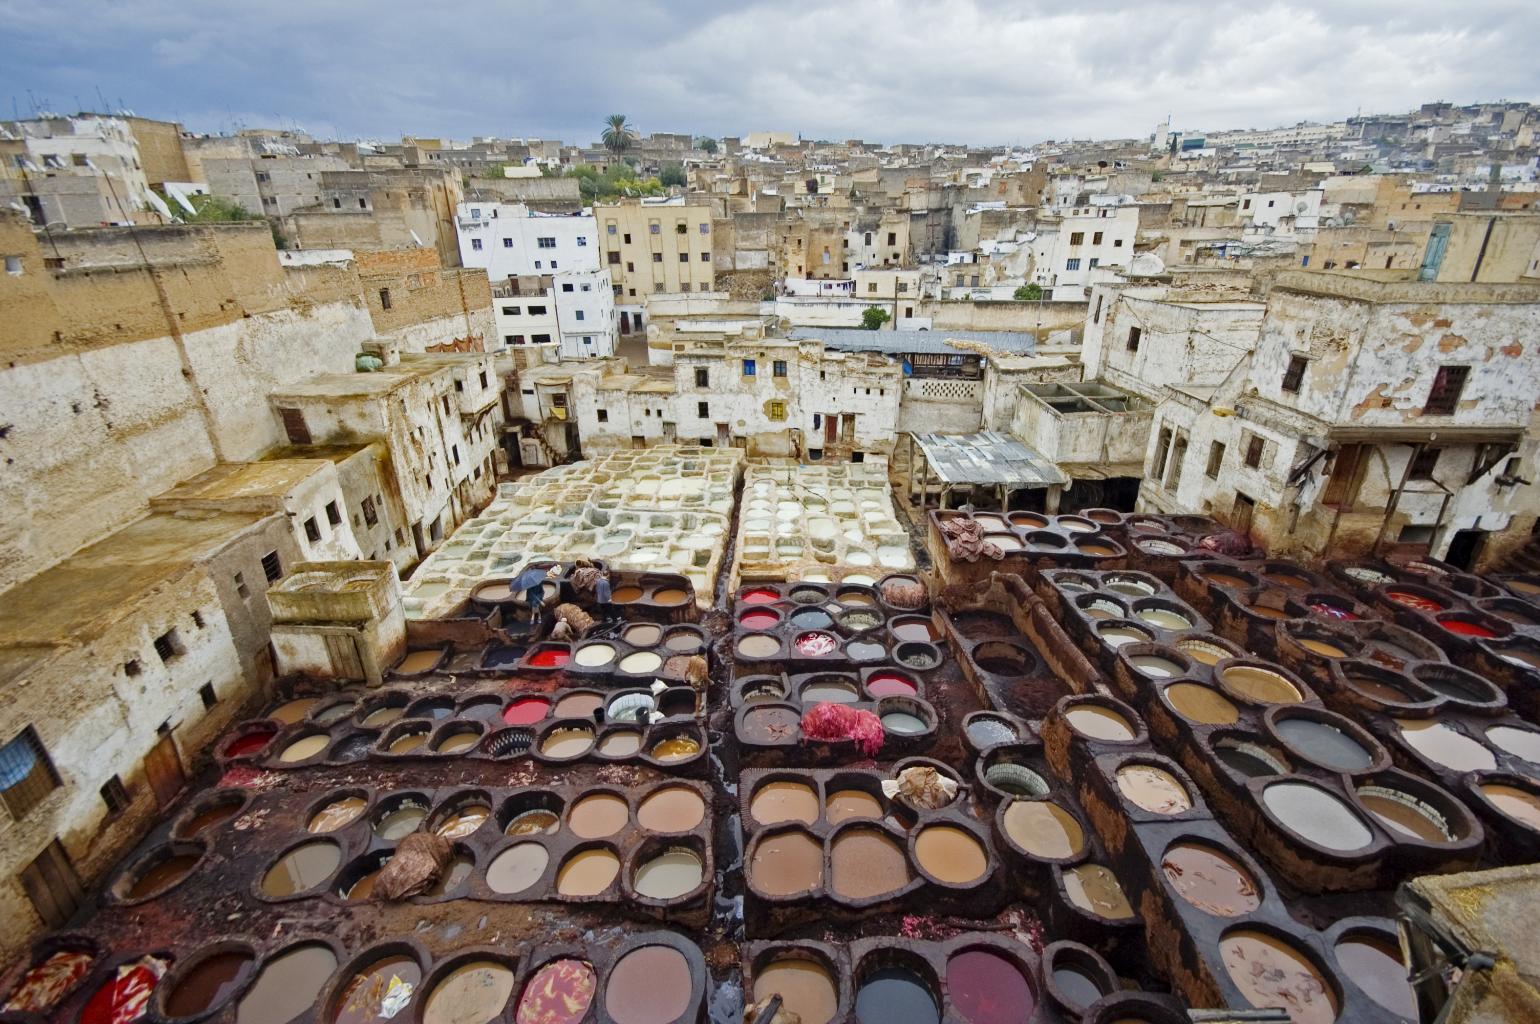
977 71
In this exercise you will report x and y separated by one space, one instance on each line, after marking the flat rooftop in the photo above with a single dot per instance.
932 341
989 458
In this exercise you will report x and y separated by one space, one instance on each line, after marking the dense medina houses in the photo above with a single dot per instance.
545 272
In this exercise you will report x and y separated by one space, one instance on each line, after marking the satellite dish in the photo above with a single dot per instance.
1390 225
1301 206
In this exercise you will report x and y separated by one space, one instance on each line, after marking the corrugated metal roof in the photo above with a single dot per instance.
854 339
989 458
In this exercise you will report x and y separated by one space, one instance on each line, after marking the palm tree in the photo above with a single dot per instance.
618 134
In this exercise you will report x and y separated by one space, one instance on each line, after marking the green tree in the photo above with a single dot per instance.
673 174
616 180
1028 293
213 210
618 134
873 317
706 144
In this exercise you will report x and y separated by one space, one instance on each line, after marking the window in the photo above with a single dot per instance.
1095 262
333 516
1096 239
1077 238
507 243
1134 334
657 257
748 367
1295 374
513 339
1072 264
614 258
703 410
546 243
604 416
13 266
272 567
609 229
476 244
294 425
566 286
241 589
778 368
1162 449
115 796
654 229
540 339
384 298
702 377
680 228
872 287
1254 447
1096 314
705 257
483 376
26 761
1117 243
168 645
776 410
1444 396
627 238
1424 462
580 314
1246 204
537 311
684 257
582 241
363 204
553 264
371 517
510 311
1216 458
705 229
903 286
455 451
207 695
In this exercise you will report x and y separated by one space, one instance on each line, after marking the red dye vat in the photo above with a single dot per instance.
760 595
891 684
815 644
550 658
526 711
1333 612
758 620
122 998
250 743
1422 604
987 988
1465 627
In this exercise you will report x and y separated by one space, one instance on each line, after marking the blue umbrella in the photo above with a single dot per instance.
528 579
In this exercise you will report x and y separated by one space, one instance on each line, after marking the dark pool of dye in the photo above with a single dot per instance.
208 985
895 994
1328 747
987 988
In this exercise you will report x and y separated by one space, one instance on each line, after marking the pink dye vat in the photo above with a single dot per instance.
1422 604
250 743
1333 612
760 595
550 658
526 711
758 620
890 684
814 644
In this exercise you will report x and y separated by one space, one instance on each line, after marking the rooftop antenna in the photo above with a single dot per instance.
101 99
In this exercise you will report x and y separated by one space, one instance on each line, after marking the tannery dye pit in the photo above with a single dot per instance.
1107 768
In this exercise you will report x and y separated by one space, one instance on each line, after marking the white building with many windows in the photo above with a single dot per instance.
1069 250
547 285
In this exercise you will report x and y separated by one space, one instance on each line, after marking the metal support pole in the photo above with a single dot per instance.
1395 497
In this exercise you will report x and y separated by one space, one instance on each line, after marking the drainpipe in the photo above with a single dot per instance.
1481 254
1395 497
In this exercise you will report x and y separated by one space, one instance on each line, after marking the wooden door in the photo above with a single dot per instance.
342 652
1240 516
831 426
163 767
52 885
1347 474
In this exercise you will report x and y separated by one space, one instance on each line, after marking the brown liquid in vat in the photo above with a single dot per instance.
864 863
1202 704
1261 685
1210 880
1095 888
587 872
598 816
951 854
1099 723
1153 789
671 809
805 988
1043 829
845 804
1269 972
784 801
788 863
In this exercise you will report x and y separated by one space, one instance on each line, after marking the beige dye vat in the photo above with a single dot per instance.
588 872
1202 704
1403 815
1210 880
382 716
1099 723
533 823
671 809
775 802
786 864
594 655
620 743
419 661
650 985
847 804
1523 743
1153 789
1095 888
457 742
408 742
287 985
301 869
1202 652
337 814
1321 647
463 822
806 988
865 863
1163 618
401 821
473 993
292 711
517 868
598 816
756 646
1043 829
577 705
305 747
1259 685
641 662
669 875
951 854
1519 804
1271 972
567 742
642 635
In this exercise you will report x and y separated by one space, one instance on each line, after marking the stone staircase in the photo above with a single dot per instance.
1524 558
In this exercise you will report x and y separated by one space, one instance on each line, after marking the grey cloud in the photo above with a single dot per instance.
977 71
